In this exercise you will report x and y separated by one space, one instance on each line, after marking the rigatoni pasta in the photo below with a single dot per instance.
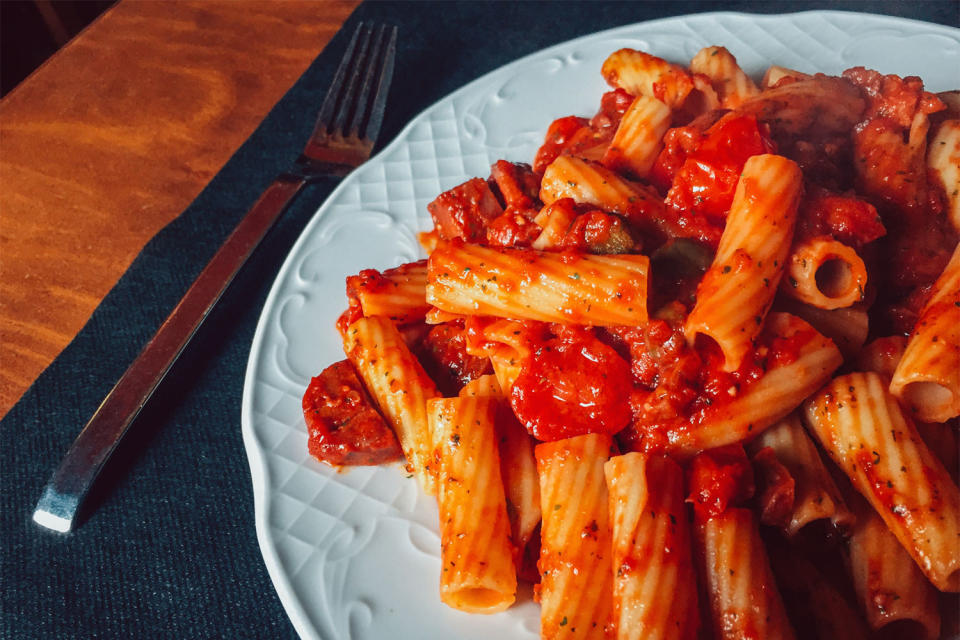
399 294
730 83
586 289
591 183
943 158
642 74
889 585
637 142
576 569
628 334
816 496
399 386
779 391
743 597
478 574
654 585
860 425
927 379
736 292
825 273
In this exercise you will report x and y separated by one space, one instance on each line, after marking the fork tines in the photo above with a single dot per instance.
352 111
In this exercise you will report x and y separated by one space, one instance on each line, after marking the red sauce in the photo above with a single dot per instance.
705 183
613 104
678 143
599 232
353 313
572 385
578 136
444 356
517 184
512 230
718 479
679 386
847 218
888 168
343 426
557 140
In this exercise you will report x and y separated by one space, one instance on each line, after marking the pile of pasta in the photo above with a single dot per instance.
695 372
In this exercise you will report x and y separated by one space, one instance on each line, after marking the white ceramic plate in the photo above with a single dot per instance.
356 554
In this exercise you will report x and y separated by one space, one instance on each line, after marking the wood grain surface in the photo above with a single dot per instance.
114 136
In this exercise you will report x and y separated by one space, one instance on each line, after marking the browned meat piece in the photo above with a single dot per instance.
518 185
344 427
465 210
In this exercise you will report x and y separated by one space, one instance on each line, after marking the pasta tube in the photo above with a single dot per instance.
518 467
576 570
889 585
943 159
744 601
781 390
519 283
816 496
478 573
590 183
399 294
738 288
776 73
730 83
482 387
554 220
399 386
654 586
642 74
927 379
882 355
815 606
825 273
863 429
847 327
637 141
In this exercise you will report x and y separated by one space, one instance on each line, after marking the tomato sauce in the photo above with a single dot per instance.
571 385
678 386
705 183
599 232
678 143
465 210
582 137
443 354
719 479
558 139
512 230
849 219
517 185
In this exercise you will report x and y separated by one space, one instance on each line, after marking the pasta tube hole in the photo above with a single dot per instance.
481 600
905 629
835 278
932 397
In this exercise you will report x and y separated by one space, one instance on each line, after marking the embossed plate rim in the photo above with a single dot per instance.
257 457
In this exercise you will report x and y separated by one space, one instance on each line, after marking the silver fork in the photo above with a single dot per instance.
346 130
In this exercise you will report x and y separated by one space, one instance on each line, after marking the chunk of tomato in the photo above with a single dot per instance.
571 386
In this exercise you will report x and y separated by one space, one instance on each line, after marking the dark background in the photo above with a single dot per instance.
170 550
32 30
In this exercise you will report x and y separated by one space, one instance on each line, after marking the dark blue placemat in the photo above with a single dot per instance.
170 550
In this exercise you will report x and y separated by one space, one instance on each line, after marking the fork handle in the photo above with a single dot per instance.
67 488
